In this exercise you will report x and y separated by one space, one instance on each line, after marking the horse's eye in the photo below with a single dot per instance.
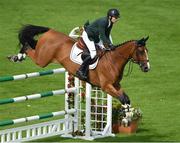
141 52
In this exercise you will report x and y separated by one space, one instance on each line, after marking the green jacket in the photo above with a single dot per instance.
99 30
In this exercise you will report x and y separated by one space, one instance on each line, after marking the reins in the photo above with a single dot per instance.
130 68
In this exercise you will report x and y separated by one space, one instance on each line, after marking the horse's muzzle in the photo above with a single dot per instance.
144 67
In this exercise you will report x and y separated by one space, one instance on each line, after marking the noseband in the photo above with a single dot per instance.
138 61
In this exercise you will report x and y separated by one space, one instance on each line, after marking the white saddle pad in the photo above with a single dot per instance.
75 56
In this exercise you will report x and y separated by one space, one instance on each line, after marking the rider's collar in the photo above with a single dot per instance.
109 23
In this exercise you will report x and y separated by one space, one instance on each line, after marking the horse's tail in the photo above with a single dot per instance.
26 40
27 33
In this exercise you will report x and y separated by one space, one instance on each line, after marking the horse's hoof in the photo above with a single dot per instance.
13 58
9 57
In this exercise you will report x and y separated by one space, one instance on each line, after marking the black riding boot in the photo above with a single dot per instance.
82 73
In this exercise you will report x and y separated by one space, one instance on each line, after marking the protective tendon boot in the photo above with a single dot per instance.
82 73
21 55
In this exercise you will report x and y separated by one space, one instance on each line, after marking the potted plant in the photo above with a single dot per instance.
125 119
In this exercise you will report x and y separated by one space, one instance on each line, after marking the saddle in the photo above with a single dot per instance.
82 45
80 51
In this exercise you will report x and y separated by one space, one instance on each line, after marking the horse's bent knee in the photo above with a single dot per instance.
104 87
42 65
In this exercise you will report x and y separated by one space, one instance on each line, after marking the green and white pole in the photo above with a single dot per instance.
31 75
39 95
36 117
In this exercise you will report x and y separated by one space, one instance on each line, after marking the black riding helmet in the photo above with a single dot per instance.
113 13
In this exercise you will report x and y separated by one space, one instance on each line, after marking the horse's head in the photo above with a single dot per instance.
140 54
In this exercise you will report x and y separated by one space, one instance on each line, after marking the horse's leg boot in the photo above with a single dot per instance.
21 55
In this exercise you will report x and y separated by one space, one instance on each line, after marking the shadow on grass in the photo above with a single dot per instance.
141 136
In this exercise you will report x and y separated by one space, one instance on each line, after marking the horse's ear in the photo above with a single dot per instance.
145 39
140 42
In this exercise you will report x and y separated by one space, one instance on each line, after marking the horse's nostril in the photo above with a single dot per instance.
146 69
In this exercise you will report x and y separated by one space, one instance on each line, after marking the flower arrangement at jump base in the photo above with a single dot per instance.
125 119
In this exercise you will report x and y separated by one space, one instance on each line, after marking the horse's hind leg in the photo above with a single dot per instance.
31 53
41 56
21 55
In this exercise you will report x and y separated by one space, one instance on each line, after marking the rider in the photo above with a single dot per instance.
97 32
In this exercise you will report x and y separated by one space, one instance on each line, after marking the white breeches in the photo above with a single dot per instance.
90 44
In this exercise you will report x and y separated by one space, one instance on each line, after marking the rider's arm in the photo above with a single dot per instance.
103 37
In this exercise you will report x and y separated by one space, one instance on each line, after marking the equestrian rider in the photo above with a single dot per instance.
97 32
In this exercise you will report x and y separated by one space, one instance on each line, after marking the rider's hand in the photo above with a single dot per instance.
111 46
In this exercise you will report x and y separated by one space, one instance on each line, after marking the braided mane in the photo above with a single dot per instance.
123 43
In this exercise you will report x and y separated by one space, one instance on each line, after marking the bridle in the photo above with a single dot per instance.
131 60
139 62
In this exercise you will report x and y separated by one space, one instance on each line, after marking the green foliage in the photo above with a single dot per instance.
118 113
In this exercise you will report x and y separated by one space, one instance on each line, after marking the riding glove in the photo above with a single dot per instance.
111 47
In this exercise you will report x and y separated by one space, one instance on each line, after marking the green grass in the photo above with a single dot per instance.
156 93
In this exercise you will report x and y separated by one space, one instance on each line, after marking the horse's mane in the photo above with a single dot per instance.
121 44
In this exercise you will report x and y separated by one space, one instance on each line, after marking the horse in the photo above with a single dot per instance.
55 47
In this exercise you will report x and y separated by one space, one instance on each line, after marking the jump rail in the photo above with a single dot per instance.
31 75
38 95
36 117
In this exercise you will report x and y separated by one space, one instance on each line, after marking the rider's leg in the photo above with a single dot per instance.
83 70
90 44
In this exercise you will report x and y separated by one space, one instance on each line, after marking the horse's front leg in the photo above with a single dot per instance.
118 93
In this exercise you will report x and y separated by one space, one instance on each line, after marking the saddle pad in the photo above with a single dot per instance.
75 56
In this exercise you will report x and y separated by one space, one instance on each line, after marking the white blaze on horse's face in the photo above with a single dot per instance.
148 64
141 58
144 61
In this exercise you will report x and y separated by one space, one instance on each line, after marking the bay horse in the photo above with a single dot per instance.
55 47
